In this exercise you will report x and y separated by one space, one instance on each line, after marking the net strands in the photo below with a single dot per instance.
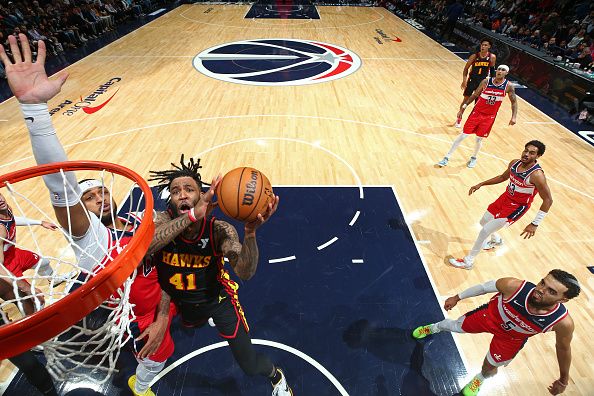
91 346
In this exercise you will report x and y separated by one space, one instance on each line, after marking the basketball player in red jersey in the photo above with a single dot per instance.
518 311
489 95
152 307
30 85
18 260
481 65
189 253
525 179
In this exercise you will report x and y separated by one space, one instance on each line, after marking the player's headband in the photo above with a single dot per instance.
88 184
503 67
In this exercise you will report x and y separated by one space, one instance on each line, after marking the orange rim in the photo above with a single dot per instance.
23 334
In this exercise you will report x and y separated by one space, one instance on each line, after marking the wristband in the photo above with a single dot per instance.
539 217
562 384
464 105
192 216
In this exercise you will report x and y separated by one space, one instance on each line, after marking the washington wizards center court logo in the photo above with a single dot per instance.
277 62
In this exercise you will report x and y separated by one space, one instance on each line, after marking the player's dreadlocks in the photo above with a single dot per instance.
190 169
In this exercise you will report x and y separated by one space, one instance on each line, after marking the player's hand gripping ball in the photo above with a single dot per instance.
243 193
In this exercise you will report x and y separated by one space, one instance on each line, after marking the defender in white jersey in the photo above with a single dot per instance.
518 311
94 242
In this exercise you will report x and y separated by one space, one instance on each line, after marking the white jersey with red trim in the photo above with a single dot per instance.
10 226
515 318
102 244
491 98
519 189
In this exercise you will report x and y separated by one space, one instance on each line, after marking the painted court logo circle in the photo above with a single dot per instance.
277 62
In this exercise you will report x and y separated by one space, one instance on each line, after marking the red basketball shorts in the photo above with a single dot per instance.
503 347
167 346
505 208
18 260
479 124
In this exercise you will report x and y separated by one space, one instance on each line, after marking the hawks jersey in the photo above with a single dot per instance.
480 66
192 270
10 226
491 98
515 319
519 189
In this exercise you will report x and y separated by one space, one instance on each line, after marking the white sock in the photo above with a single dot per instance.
456 143
477 146
43 267
495 237
145 372
450 325
488 229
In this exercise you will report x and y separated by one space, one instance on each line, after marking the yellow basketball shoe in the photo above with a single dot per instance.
472 388
422 332
132 383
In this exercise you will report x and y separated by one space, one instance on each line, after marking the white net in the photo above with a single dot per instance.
41 267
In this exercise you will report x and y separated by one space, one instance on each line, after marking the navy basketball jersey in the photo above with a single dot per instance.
192 270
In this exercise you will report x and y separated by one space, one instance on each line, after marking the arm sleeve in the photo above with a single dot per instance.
23 221
64 191
479 290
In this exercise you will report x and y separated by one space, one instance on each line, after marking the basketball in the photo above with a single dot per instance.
243 193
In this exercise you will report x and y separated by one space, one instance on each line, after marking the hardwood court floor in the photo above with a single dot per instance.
388 123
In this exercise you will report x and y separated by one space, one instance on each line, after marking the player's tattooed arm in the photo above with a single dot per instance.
166 230
161 217
511 92
243 257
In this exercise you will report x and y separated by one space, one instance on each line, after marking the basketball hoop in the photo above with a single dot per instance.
64 309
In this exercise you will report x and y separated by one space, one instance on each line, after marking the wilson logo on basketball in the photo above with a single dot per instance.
244 193
277 62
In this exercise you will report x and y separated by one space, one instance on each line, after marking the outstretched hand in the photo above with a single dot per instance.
262 218
154 334
474 189
48 225
205 205
27 79
557 387
529 231
451 302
